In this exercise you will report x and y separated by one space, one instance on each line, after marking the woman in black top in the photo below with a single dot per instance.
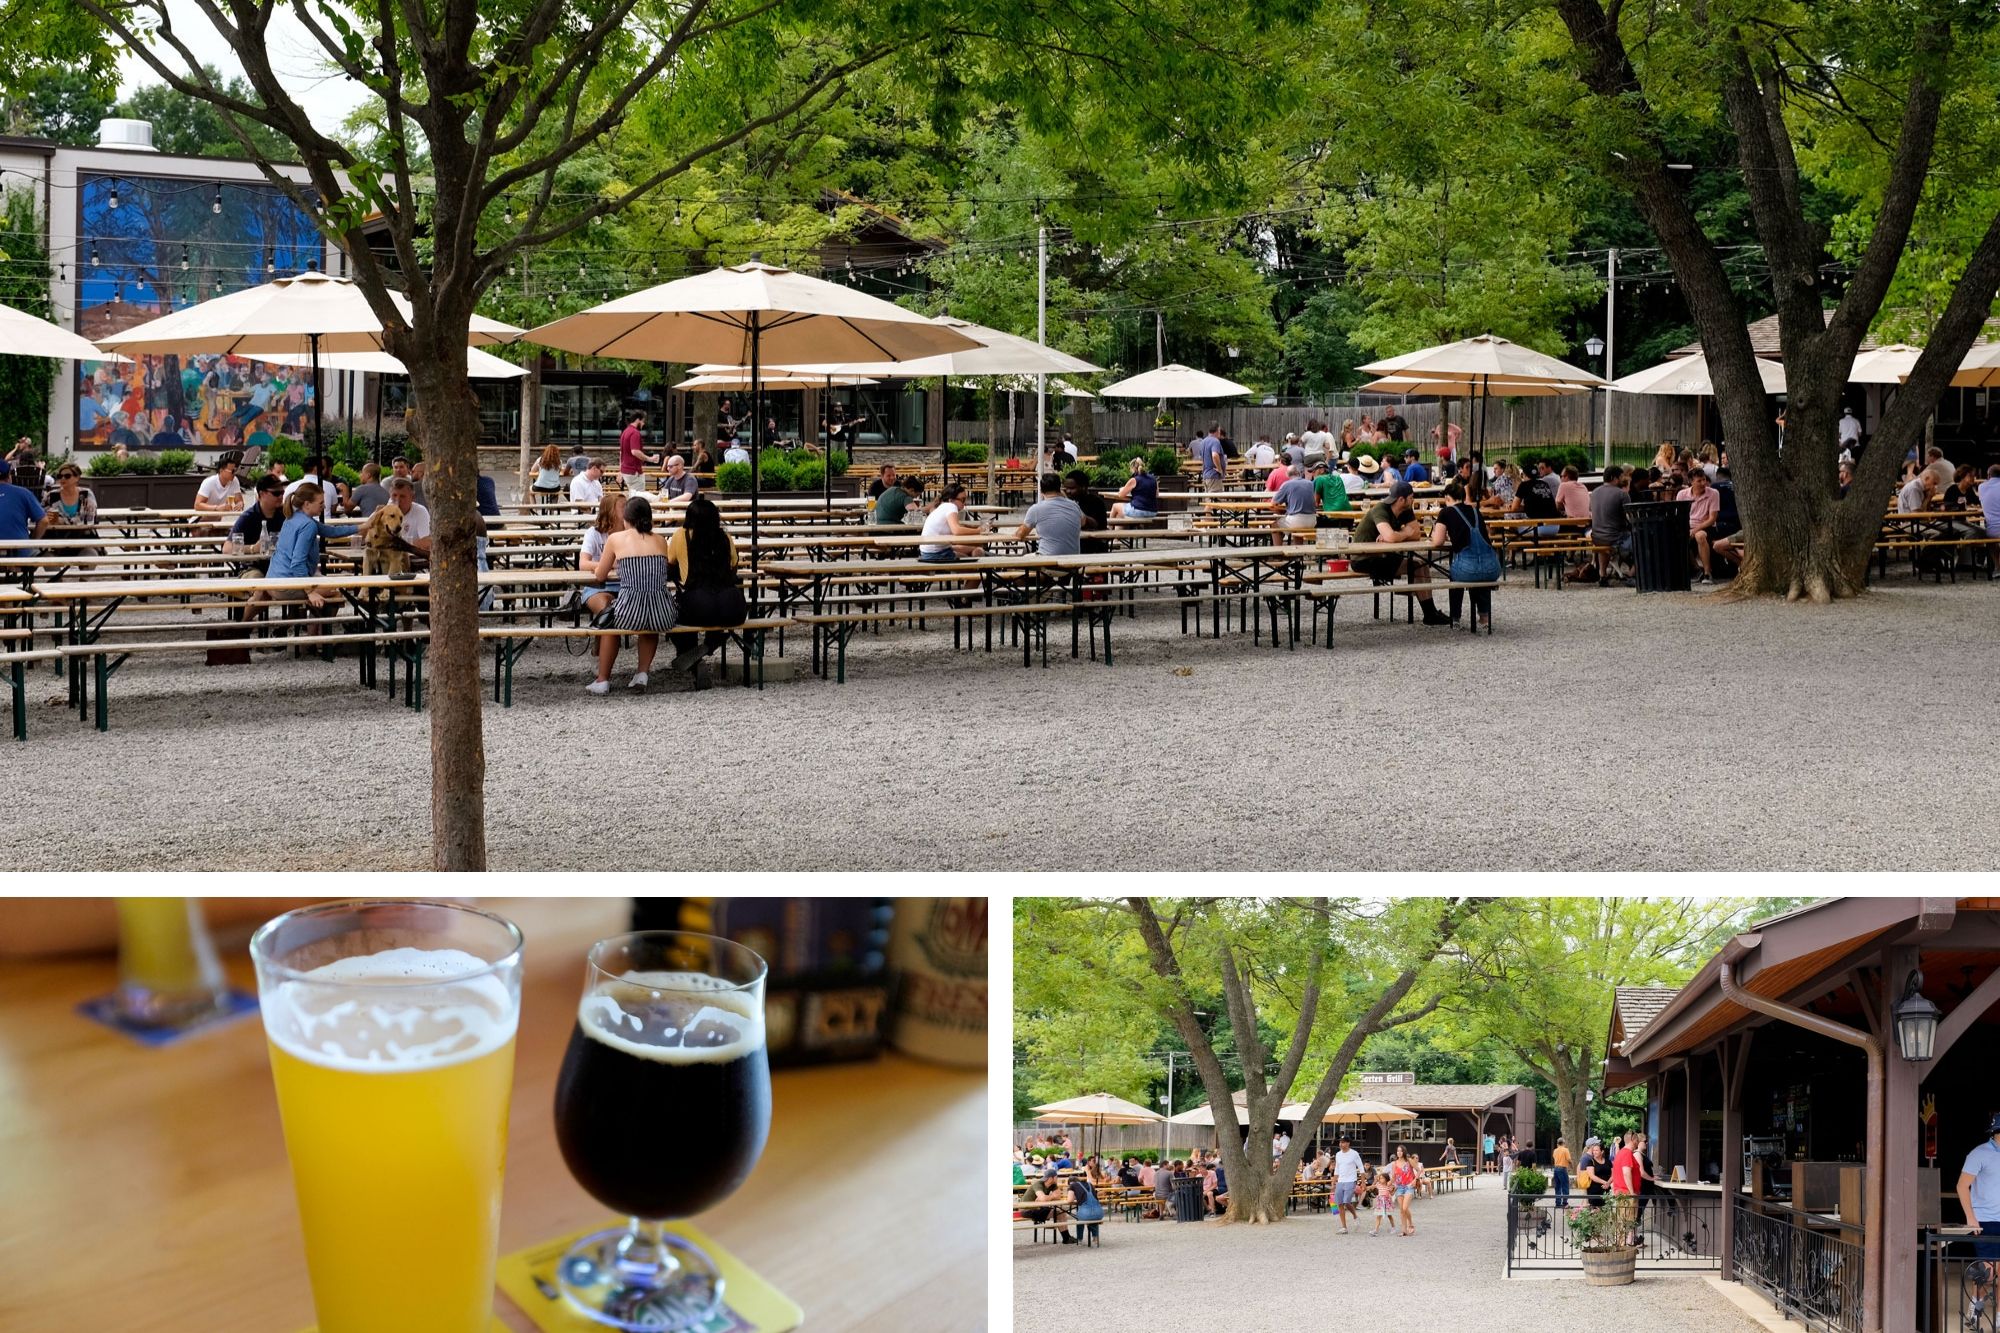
1596 1175
1457 523
704 559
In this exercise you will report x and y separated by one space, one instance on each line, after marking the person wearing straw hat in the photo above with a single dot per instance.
1370 468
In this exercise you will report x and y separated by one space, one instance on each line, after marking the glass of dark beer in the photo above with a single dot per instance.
662 1109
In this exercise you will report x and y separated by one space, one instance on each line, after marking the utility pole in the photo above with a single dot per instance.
1042 337
1167 1125
1610 319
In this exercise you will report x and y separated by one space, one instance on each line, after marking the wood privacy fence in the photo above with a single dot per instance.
1577 419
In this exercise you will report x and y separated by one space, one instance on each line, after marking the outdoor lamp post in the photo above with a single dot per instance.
1916 1021
1594 347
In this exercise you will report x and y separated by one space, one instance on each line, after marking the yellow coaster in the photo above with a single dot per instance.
749 1303
498 1327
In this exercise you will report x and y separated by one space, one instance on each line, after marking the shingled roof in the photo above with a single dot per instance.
1764 343
1633 1007
1442 1096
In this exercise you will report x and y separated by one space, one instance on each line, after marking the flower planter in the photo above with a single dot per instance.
1610 1268
127 491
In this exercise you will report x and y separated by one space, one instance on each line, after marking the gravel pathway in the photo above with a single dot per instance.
1159 1277
1597 730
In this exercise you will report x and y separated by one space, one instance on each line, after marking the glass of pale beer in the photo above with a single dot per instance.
391 1028
168 974
662 1109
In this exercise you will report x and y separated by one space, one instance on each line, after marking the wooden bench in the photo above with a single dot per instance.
511 642
1917 545
1030 618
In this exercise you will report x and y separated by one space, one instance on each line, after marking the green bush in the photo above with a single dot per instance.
808 474
1527 1180
348 448
965 453
342 472
1163 460
837 463
395 442
733 478
107 464
290 452
141 465
1118 455
173 461
775 472
1107 477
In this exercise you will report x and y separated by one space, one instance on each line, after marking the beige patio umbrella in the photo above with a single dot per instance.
306 315
479 365
1099 1109
750 314
23 334
1365 1112
1688 376
740 379
1483 363
1884 365
1979 370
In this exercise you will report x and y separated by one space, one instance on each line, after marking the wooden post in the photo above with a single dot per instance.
1896 1174
1735 1053
531 418
1691 1072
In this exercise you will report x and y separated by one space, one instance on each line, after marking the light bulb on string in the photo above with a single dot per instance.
184 258
270 263
114 194
95 262
677 212
216 207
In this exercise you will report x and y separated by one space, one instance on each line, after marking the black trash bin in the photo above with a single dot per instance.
1660 544
1187 1199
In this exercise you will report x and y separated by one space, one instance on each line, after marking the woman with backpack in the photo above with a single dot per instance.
1085 1208
1473 559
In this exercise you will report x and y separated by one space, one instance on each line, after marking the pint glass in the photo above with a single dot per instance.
391 1028
168 975
662 1109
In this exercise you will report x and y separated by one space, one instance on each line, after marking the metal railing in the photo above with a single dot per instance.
1674 1232
1956 1284
1809 1268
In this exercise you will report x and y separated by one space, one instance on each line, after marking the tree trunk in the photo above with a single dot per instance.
706 406
531 420
458 751
1574 1113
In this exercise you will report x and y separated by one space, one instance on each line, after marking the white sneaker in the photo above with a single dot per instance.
638 681
599 687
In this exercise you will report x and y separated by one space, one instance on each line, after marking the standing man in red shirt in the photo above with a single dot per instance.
1625 1177
632 459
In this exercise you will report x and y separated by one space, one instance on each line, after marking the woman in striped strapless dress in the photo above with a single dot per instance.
644 606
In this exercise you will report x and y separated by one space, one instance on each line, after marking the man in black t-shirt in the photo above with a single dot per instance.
883 481
1096 510
1393 425
260 519
1538 502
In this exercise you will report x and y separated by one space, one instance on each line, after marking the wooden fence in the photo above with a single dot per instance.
1578 419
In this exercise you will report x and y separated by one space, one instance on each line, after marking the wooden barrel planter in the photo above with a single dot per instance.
1609 1268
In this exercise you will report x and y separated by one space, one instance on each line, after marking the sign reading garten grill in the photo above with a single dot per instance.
1405 1077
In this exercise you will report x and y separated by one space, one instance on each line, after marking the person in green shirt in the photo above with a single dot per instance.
892 503
1020 1176
1330 490
1394 520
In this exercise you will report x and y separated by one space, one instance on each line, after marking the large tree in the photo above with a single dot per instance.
1301 985
1537 975
482 106
1882 99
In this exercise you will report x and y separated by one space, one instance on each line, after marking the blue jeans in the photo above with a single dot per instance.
1562 1186
944 557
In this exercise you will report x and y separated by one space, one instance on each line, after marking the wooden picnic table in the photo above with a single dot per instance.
184 1144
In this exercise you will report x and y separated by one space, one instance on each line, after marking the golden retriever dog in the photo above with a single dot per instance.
379 533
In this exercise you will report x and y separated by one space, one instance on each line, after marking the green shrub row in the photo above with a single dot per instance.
965 453
350 475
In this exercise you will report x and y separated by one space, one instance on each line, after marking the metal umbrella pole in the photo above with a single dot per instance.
826 473
756 453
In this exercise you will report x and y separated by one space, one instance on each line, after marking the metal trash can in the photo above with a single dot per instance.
1187 1199
1660 544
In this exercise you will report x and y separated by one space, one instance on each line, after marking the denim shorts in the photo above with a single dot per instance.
1132 512
1987 1243
944 557
1343 1192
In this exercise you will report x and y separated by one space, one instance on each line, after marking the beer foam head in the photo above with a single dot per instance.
400 1009
679 1018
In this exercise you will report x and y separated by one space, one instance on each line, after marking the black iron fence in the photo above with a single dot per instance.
1956 1284
1674 1233
1809 1266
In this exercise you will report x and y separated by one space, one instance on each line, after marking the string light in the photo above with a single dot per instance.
216 207
114 194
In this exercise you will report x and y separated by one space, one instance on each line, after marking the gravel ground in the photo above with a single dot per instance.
1768 736
1303 1274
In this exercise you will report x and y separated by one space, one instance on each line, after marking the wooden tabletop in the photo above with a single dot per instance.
68 591
172 1163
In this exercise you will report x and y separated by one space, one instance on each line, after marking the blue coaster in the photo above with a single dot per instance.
104 1010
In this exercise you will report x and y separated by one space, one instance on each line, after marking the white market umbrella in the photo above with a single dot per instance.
740 379
1174 381
1465 388
479 365
306 315
750 314
1884 365
1688 376
996 354
23 334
